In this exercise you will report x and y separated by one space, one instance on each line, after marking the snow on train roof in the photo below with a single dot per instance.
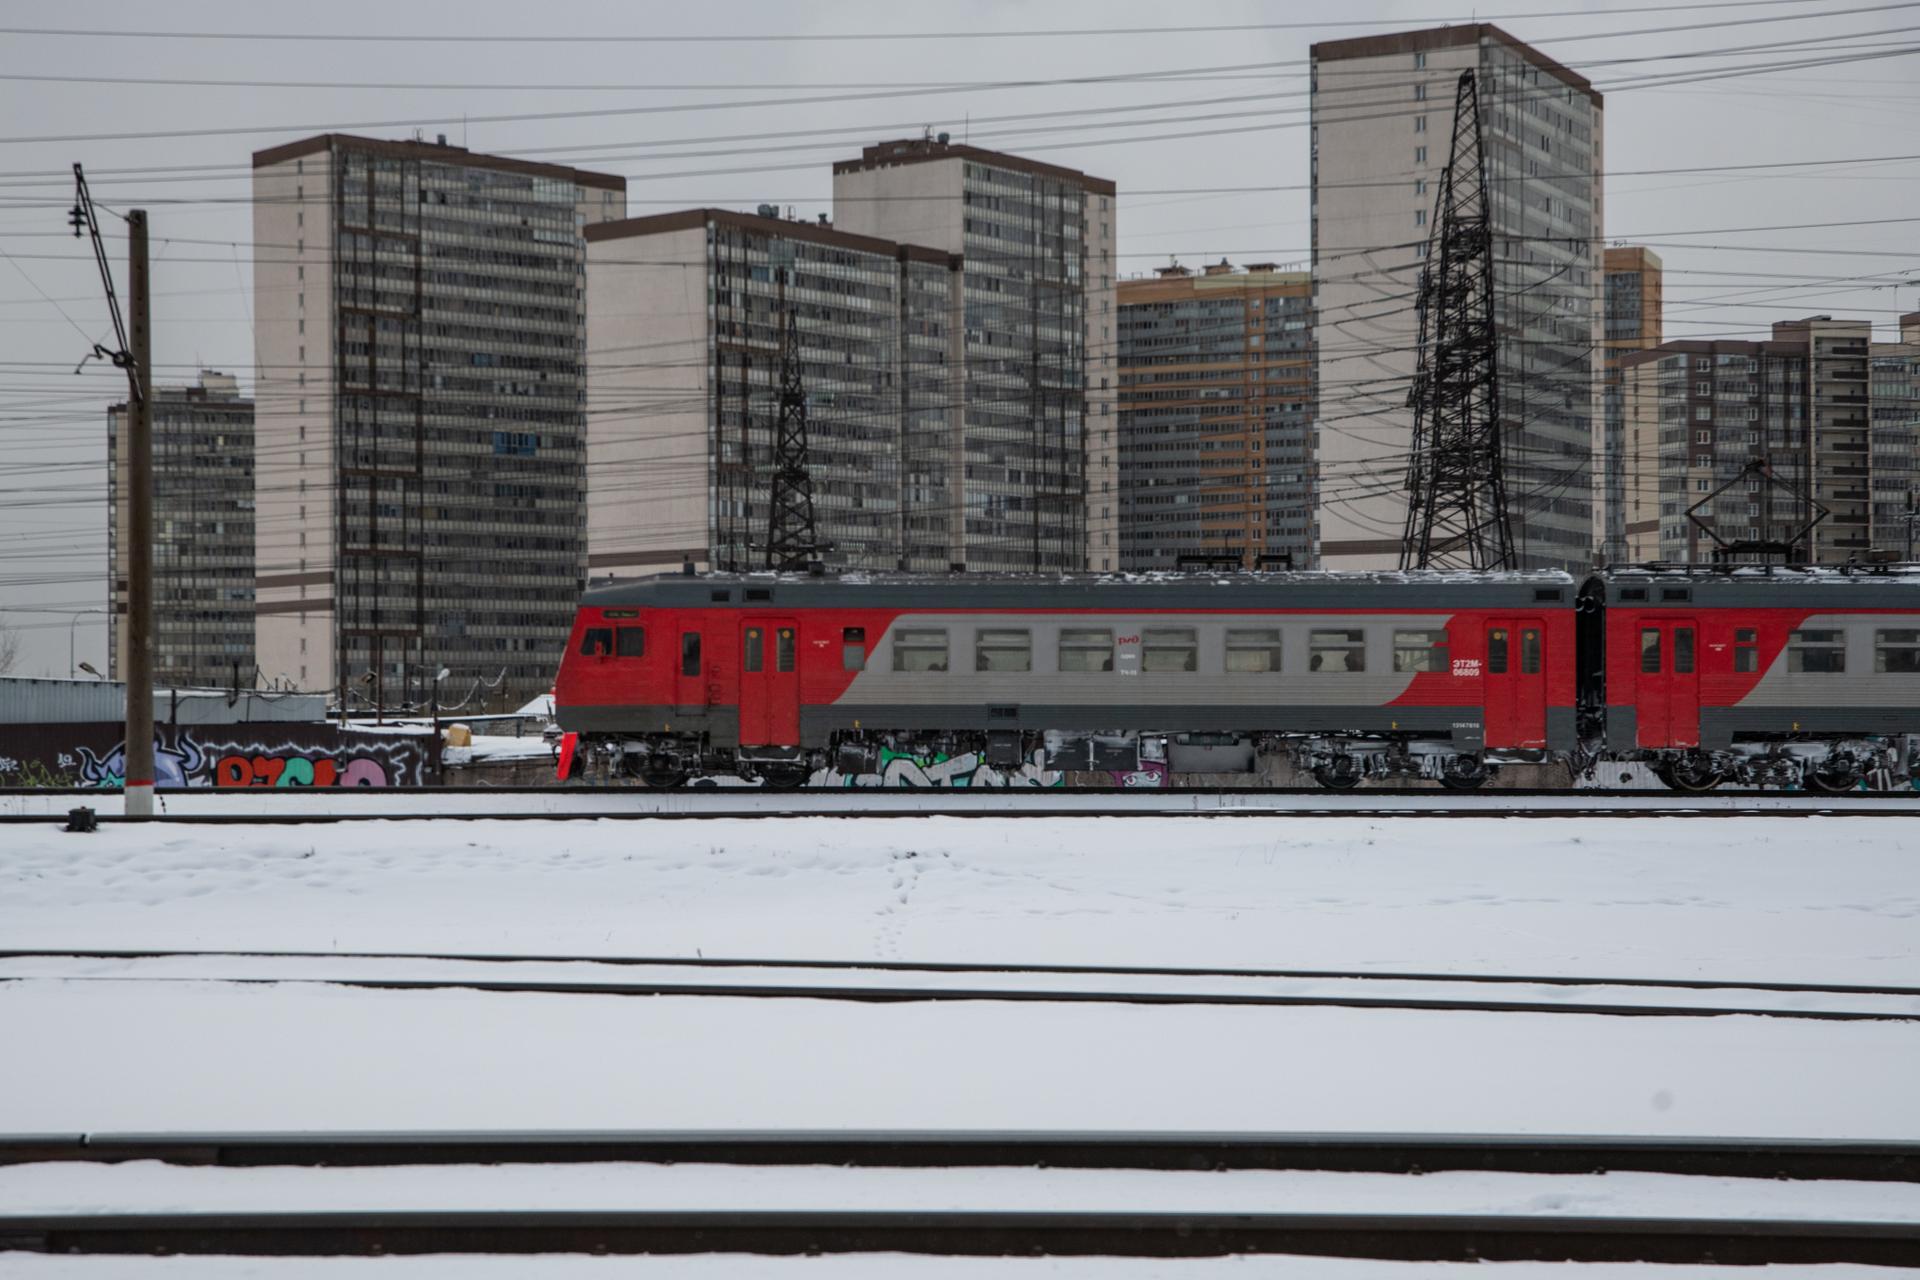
1192 590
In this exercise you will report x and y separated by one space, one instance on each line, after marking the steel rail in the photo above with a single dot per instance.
962 966
1476 1238
900 994
1744 1157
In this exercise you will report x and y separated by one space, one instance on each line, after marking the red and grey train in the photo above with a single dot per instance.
1782 677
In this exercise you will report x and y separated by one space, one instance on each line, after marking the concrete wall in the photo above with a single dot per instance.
1366 276
293 327
1103 383
649 403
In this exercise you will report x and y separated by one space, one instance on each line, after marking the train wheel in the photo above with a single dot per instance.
786 777
1834 775
662 773
1464 773
1339 774
1694 772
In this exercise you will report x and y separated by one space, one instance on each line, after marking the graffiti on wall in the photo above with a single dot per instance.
966 769
218 756
1151 773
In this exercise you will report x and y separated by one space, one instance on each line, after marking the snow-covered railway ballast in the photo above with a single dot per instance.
1757 676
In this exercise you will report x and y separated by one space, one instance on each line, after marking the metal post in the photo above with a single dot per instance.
139 739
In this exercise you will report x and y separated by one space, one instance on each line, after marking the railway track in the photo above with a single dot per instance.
1798 1159
295 806
1462 1238
992 1194
908 983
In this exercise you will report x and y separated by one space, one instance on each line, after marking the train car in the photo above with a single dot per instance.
1440 675
1763 676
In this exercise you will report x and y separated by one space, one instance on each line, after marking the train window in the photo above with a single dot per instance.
1650 650
1086 649
1817 652
753 650
1746 649
689 653
1683 650
1337 651
783 647
853 648
1633 593
1169 649
1530 651
920 649
1897 652
1420 651
597 642
1003 649
630 642
1253 650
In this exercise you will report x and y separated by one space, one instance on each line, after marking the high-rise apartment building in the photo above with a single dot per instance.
203 531
1832 414
687 319
1216 383
1383 110
1893 397
1694 415
1038 349
1634 323
419 321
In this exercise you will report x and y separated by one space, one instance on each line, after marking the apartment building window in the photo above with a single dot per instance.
1419 217
1419 124
1419 62
1703 437
1702 414
1419 93
1703 388
1702 459
1419 155
1419 186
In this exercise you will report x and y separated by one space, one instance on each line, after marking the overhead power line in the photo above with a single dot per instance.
827 37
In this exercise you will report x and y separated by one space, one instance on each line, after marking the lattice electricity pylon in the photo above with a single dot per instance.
792 542
1456 483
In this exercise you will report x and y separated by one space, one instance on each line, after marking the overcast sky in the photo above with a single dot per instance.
731 135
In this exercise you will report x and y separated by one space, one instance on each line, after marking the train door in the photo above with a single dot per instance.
769 682
1667 698
1516 682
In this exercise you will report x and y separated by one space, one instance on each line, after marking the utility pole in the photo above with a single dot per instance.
139 780
1457 514
134 356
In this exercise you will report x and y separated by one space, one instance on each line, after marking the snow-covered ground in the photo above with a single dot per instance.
217 1056
149 1187
1793 899
168 1046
